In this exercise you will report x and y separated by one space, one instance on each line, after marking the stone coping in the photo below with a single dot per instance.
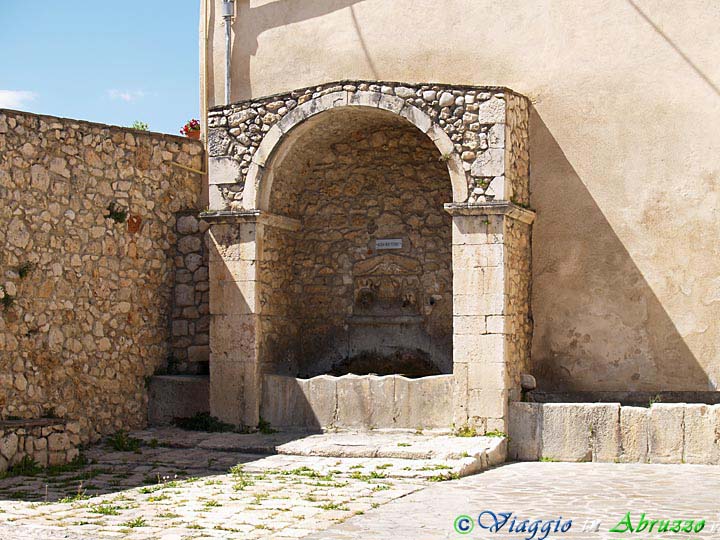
111 127
506 208
251 216
369 375
32 422
626 398
462 87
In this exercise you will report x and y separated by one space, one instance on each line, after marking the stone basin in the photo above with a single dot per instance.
359 402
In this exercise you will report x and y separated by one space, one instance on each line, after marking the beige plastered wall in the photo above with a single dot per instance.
625 140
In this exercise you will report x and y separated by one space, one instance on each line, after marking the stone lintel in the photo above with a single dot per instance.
505 208
251 216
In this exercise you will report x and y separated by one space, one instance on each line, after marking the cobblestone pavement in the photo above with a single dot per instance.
579 491
178 486
174 493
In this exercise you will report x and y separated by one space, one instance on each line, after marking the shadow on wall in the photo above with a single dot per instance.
250 22
598 324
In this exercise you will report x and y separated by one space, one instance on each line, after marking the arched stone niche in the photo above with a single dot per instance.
478 137
481 132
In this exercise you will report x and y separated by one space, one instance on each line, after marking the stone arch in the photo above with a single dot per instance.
258 184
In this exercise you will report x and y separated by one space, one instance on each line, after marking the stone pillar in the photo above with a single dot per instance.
484 356
235 241
234 250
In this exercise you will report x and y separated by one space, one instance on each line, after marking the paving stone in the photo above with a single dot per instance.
583 492
177 484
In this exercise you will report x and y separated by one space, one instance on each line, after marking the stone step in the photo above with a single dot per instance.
395 444
408 454
366 468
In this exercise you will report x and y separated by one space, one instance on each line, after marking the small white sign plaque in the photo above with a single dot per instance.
388 243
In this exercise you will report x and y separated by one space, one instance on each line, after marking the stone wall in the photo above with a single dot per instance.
87 244
660 433
191 300
350 182
517 151
279 302
47 441
517 323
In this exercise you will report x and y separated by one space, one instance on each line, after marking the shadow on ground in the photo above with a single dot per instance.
163 456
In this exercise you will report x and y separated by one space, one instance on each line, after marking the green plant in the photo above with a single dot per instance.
520 204
444 477
242 480
264 427
79 496
203 422
24 269
438 467
49 412
333 506
403 444
657 398
495 433
137 522
122 442
168 515
6 299
77 463
545 459
466 431
444 158
142 126
374 475
116 213
105 509
27 466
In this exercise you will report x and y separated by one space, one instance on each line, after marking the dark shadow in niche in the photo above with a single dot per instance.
250 22
598 324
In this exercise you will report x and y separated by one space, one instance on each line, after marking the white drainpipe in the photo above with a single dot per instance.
228 10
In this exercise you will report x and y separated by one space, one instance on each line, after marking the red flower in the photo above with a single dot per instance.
191 125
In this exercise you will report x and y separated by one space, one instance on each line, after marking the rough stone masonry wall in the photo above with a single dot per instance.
518 318
191 301
47 442
473 117
278 292
86 314
517 151
381 180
